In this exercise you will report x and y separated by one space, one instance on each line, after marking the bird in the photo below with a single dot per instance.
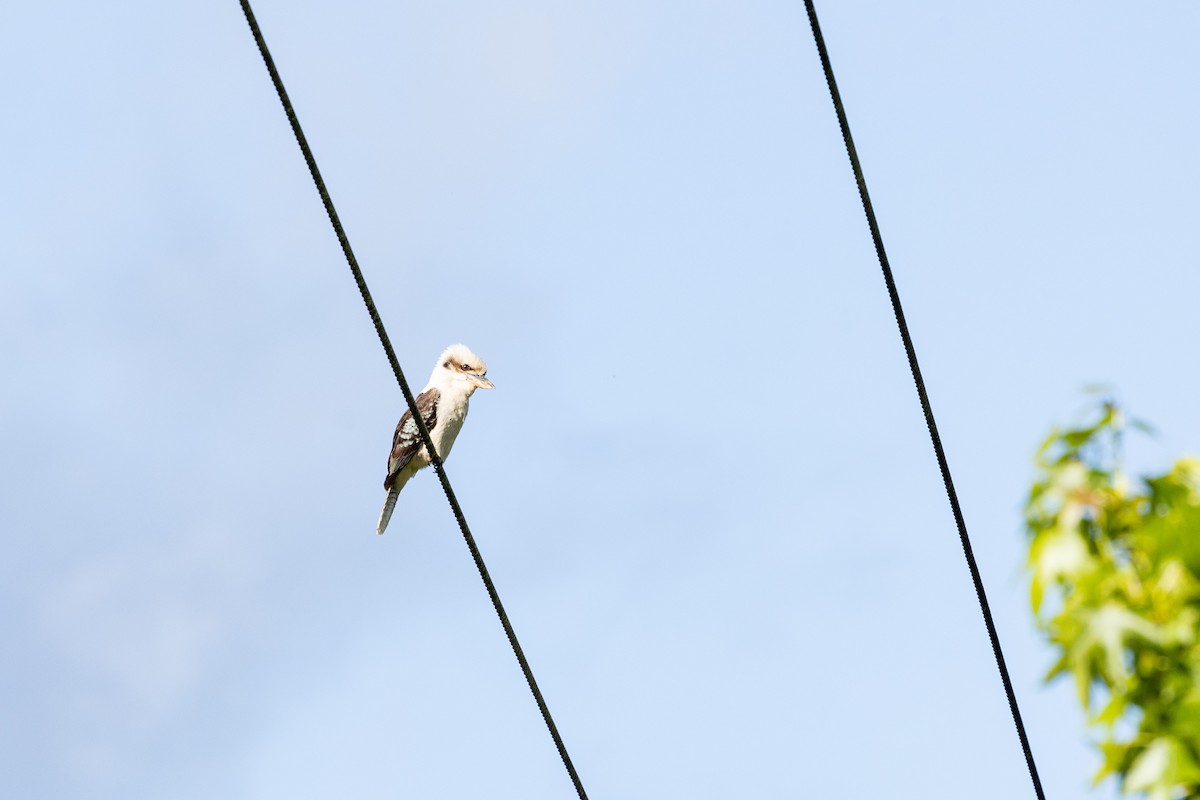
443 406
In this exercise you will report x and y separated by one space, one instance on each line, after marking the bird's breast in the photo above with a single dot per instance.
448 428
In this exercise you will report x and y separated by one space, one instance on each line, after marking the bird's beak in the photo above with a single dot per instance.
482 382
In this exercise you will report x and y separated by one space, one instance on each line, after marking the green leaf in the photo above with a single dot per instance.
1078 437
1164 765
1112 711
1116 760
1055 555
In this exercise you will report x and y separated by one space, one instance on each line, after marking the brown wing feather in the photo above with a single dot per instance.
407 441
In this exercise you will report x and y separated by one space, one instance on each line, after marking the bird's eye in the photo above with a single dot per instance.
463 367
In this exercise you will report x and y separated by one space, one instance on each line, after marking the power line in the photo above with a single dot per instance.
434 458
943 465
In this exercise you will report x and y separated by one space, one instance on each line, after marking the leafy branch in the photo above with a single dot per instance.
1115 587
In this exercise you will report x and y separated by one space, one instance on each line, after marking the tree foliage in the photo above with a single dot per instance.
1115 566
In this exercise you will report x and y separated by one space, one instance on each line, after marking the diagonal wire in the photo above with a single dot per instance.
434 458
943 465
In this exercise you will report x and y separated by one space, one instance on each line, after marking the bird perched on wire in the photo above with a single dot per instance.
443 407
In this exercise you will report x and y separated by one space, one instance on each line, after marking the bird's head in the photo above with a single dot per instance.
458 367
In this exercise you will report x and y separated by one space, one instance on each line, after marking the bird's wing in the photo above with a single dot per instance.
407 441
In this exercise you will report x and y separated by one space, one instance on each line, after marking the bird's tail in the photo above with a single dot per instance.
389 506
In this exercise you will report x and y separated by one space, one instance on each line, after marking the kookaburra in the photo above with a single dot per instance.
443 406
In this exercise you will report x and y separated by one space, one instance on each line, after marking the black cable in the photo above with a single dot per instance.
916 373
434 458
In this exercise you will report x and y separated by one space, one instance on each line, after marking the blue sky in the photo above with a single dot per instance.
703 485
